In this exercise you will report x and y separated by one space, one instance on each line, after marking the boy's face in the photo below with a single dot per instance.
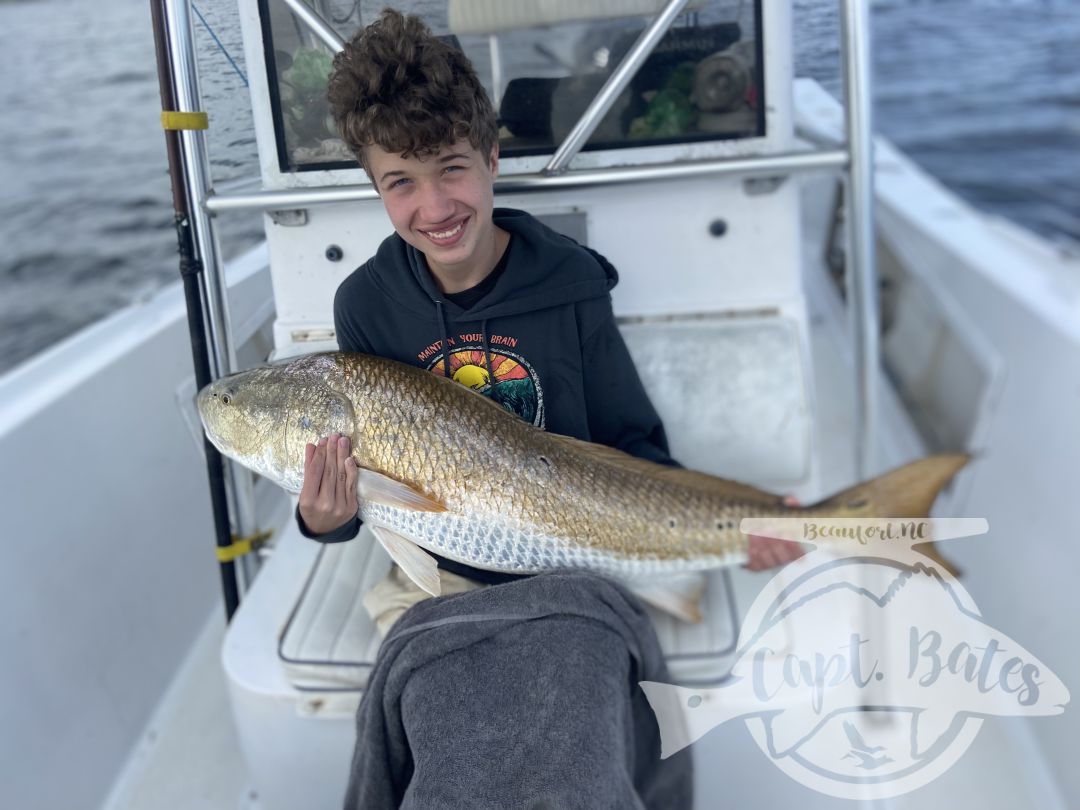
441 205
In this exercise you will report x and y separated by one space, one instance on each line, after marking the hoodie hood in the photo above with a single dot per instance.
549 269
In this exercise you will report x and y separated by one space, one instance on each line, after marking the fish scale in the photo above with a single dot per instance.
516 498
554 507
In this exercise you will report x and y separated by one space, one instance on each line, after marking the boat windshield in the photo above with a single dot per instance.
542 63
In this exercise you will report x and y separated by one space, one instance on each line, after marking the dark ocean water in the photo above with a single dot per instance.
984 93
85 202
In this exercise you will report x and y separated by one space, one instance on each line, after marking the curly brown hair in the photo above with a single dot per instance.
398 86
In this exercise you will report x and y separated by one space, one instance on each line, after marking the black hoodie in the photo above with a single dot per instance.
542 342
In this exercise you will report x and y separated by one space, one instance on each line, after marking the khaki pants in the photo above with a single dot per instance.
396 593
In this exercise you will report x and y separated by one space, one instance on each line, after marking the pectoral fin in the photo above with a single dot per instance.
417 564
679 595
378 488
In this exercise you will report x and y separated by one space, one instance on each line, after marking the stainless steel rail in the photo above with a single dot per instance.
616 83
862 277
197 168
749 166
196 163
318 26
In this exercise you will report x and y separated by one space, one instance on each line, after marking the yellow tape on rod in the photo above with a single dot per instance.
241 546
184 120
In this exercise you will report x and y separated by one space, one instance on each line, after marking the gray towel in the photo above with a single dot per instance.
518 696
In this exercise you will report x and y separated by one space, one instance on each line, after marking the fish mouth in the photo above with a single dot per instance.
204 404
209 402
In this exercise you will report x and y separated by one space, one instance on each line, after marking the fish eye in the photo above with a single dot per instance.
225 399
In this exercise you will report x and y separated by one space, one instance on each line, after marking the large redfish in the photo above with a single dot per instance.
446 469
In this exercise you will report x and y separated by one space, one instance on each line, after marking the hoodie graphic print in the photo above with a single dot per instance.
496 372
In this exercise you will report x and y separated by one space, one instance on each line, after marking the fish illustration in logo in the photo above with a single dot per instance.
851 638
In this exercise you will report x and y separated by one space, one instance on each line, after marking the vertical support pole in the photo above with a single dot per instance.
862 280
496 71
191 273
196 166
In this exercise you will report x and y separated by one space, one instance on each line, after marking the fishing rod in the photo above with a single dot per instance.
191 273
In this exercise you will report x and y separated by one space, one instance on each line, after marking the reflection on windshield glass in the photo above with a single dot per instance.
702 82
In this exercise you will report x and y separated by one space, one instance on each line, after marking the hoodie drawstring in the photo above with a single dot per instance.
446 344
487 353
446 338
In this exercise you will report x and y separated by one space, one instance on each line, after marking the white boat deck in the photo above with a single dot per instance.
189 756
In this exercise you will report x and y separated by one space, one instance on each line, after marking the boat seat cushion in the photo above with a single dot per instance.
329 642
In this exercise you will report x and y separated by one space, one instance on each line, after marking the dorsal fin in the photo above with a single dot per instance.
690 479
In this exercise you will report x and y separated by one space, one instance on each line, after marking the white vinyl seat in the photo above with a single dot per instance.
329 642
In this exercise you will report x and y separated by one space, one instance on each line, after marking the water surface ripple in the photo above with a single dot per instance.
983 93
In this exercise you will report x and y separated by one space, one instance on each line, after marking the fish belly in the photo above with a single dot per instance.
512 547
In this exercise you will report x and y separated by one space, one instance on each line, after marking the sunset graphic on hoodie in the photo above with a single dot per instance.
515 386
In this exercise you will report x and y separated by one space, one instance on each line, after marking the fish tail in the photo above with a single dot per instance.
906 492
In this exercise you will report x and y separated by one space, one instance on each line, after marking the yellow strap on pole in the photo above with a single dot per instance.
170 119
241 546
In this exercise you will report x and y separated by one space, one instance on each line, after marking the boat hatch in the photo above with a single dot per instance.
543 64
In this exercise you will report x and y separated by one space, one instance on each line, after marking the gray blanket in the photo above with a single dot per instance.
523 695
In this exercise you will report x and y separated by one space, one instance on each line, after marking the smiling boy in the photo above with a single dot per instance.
489 297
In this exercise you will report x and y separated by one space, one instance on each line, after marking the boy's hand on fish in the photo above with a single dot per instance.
328 496
769 552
